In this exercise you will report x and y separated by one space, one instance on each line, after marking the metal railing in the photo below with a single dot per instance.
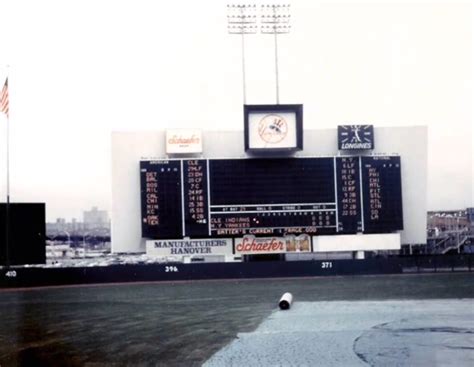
437 263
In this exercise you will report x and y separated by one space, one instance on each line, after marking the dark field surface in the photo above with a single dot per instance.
175 324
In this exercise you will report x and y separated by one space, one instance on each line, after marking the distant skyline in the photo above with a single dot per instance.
82 69
81 217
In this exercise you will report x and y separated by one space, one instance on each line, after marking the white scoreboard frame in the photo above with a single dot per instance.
128 148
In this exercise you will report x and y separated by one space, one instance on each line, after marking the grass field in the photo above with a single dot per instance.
180 323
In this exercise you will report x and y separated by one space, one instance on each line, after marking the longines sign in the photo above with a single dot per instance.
355 137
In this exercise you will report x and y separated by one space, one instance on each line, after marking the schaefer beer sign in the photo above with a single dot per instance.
183 141
251 245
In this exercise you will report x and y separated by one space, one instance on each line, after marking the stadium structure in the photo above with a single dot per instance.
225 196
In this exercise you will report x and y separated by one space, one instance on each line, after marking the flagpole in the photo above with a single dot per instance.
7 209
7 252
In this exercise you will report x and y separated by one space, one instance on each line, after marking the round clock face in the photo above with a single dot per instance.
272 128
356 133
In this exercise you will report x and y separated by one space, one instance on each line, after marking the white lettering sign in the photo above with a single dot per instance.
189 247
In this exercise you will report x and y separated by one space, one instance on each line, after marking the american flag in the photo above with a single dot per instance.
4 98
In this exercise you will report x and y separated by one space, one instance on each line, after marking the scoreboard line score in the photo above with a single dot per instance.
199 198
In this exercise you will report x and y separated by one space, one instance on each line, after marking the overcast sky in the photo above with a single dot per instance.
82 69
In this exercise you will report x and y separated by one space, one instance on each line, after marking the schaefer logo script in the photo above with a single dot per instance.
183 141
253 245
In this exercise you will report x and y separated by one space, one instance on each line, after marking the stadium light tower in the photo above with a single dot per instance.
275 19
242 19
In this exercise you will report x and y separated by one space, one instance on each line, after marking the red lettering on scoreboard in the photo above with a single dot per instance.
252 244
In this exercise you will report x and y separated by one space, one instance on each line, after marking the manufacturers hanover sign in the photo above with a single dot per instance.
189 247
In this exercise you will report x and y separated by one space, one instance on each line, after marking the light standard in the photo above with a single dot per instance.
242 20
276 20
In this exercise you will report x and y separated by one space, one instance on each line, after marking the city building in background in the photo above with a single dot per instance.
77 240
470 216
95 219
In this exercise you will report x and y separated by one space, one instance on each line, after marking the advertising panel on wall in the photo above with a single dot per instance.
355 137
251 245
179 141
221 246
357 242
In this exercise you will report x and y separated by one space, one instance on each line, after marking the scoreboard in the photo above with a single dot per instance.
199 198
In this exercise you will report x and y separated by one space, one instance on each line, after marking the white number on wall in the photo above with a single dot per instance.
10 274
171 269
326 264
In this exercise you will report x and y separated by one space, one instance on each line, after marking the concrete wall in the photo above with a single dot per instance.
128 148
